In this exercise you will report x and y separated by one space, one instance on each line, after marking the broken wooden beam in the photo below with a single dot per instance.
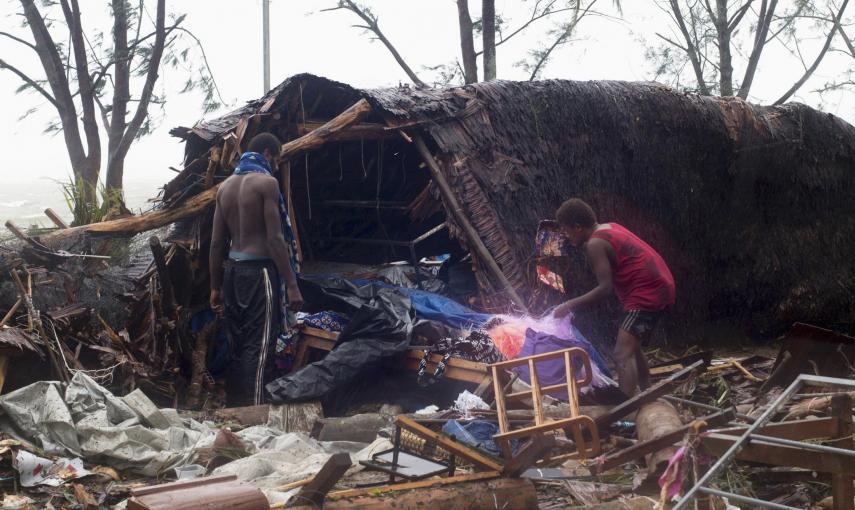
841 484
167 299
213 492
356 132
198 203
717 444
504 493
314 492
472 237
643 448
650 394
408 486
536 449
54 217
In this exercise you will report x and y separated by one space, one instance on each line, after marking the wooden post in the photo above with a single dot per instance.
199 363
54 217
12 311
841 484
472 236
213 163
4 368
314 492
168 298
285 170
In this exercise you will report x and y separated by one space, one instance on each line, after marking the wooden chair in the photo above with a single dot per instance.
573 426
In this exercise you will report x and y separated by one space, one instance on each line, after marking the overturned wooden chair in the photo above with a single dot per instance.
574 426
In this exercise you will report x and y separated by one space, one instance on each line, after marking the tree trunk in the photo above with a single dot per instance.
467 43
724 56
86 179
121 95
115 176
488 19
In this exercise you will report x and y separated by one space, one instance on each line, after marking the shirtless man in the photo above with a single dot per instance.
625 264
248 222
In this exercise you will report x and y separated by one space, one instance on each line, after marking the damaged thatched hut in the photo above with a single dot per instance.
752 206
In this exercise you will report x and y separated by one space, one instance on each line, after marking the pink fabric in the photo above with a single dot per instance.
509 339
671 480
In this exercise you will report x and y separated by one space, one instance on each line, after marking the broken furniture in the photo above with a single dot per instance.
643 448
223 492
573 426
392 244
456 368
783 444
410 465
313 338
808 349
652 393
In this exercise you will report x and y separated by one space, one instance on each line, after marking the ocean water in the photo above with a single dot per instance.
24 200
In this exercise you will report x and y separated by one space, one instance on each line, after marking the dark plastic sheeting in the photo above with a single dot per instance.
381 322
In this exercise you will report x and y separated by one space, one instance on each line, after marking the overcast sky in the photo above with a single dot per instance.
305 40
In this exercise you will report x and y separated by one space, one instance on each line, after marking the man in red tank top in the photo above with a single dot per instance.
635 272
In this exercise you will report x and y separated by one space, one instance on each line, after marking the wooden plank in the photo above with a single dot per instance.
453 447
361 131
320 333
797 430
457 369
775 455
536 395
523 395
501 410
314 492
4 368
528 455
11 311
550 425
643 448
503 493
841 484
422 484
54 217
648 395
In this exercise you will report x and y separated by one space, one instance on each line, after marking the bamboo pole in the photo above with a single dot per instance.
460 217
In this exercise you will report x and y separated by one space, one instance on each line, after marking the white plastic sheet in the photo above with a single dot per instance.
92 423
36 470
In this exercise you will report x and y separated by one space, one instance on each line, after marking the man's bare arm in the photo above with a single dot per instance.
219 238
598 257
279 249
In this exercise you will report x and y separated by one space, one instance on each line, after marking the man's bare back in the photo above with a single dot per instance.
241 198
247 220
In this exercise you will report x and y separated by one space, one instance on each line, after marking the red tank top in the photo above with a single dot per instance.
642 280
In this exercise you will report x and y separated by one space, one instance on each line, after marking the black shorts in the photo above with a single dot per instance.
640 323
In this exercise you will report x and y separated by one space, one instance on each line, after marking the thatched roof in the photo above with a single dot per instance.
752 206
